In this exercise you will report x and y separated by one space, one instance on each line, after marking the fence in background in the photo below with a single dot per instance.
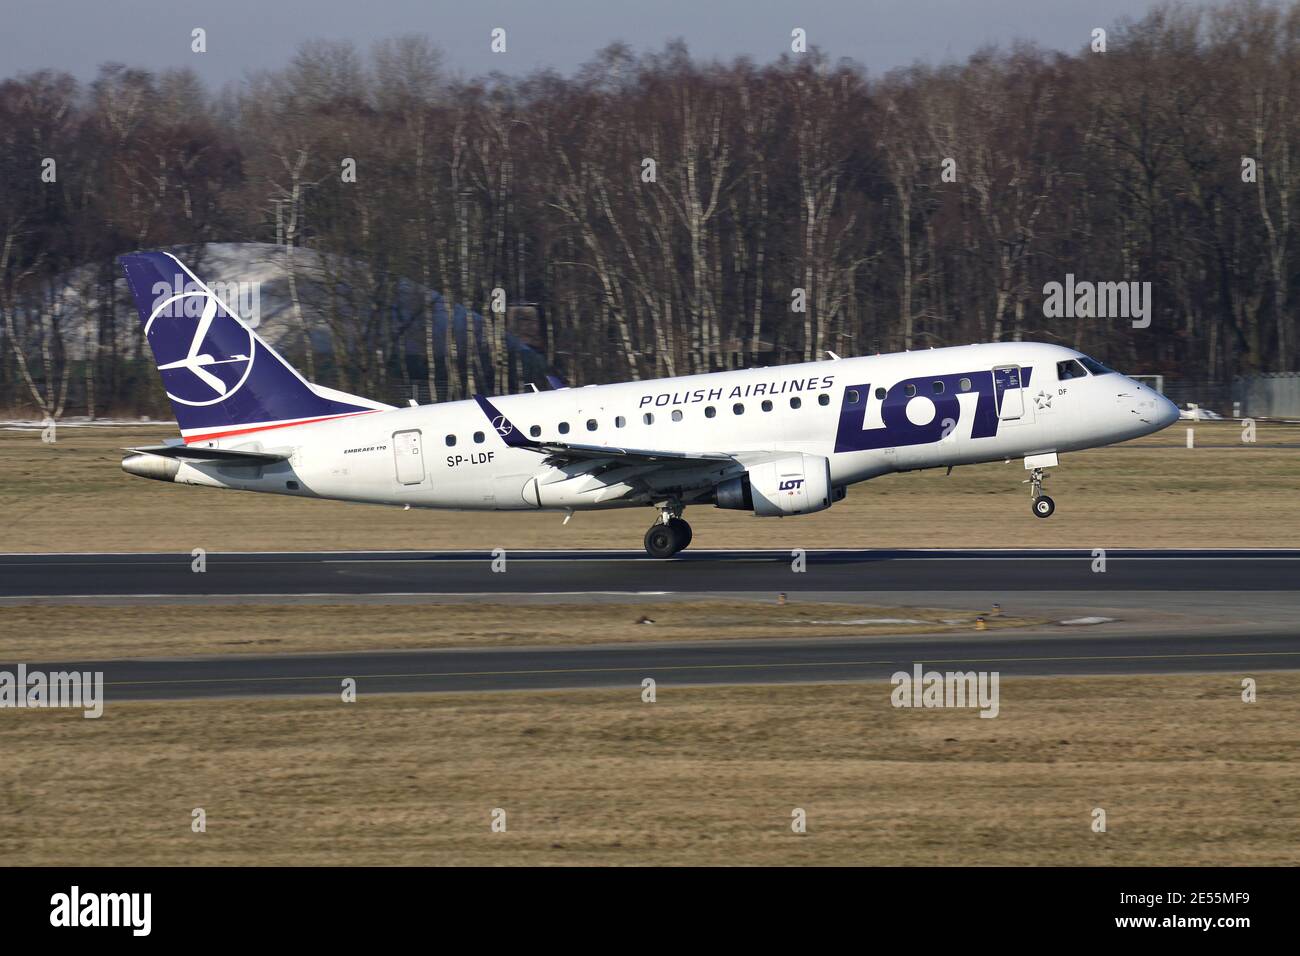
1273 395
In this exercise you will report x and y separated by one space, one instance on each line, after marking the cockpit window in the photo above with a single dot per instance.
1070 368
1095 367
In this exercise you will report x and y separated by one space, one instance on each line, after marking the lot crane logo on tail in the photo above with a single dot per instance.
197 377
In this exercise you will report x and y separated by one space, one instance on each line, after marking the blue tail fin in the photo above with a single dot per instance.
221 377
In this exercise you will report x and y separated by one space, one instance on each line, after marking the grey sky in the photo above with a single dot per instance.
243 35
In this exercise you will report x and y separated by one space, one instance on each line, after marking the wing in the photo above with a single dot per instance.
575 451
606 473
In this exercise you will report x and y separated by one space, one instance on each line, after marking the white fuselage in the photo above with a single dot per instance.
450 455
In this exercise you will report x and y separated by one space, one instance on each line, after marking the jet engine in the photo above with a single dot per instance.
793 485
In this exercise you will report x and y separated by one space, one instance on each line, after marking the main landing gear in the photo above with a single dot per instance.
1042 505
669 534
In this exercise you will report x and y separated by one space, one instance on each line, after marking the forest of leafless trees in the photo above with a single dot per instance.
670 216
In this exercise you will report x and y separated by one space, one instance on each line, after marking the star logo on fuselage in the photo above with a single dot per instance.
1043 400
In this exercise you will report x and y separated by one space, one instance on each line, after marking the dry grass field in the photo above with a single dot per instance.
1186 772
72 495
29 633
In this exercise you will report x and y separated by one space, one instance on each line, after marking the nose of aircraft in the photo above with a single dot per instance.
1151 408
1166 411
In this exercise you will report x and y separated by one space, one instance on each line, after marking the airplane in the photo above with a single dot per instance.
776 442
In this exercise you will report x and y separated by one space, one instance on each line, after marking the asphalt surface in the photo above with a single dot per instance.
670 665
1229 611
555 572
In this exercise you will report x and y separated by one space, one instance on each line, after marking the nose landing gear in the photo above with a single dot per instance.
1042 506
669 534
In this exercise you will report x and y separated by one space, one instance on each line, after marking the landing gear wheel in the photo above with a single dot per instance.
664 539
661 541
683 532
1042 505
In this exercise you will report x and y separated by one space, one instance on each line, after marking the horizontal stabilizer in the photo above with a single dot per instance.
192 453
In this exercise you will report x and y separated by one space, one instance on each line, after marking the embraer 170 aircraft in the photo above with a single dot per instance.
776 442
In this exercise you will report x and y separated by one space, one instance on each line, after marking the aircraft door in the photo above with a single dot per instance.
1008 392
408 457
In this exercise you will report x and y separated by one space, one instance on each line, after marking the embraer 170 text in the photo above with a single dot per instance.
772 441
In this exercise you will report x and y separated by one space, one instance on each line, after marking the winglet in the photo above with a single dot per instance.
511 435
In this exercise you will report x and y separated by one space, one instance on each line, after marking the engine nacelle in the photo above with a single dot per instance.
794 485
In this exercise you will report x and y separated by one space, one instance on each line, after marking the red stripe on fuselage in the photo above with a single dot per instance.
264 428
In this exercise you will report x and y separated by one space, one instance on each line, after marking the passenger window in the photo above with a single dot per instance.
823 399
796 402
677 414
478 438
535 431
564 428
451 440
910 391
710 412
1069 369
738 408
619 421
964 385
591 424
648 418
852 396
938 388
767 406
880 394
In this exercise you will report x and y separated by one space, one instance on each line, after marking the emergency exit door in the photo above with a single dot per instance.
406 453
1008 391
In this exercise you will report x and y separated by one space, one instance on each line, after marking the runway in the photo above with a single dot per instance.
674 665
1215 614
348 573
